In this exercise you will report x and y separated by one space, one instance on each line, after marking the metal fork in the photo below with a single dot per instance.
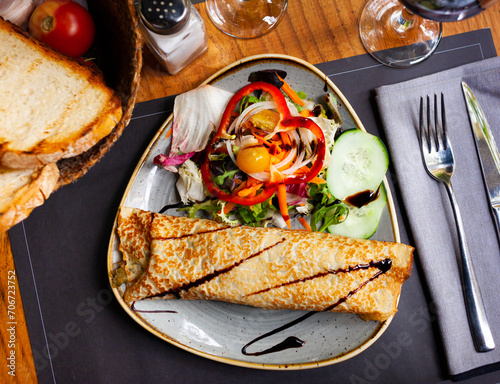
439 162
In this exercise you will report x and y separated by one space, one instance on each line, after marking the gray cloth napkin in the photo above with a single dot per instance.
428 207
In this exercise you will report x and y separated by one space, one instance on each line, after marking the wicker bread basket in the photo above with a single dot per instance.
118 53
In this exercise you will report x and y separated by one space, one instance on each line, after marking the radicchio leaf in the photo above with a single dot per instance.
169 163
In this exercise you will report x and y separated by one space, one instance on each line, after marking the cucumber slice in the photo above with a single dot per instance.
358 163
361 223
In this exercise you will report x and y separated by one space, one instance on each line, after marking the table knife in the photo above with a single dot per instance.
488 152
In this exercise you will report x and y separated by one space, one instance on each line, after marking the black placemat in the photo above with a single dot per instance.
79 333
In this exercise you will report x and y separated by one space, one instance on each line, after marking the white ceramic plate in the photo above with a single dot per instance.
218 330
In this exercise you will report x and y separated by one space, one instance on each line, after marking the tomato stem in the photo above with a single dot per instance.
47 23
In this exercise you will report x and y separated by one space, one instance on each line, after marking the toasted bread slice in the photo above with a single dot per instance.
23 190
52 107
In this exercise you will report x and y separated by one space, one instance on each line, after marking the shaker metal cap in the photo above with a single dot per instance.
165 17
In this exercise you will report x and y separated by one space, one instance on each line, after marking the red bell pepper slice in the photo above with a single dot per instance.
287 121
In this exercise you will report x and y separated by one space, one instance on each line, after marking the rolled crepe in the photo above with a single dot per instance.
177 257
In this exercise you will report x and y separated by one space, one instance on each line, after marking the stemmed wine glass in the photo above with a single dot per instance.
245 18
394 34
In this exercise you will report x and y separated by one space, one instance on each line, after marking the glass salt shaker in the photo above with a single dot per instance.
174 32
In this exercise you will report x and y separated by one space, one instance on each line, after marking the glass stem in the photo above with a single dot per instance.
402 20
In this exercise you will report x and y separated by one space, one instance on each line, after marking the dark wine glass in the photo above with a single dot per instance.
401 33
447 10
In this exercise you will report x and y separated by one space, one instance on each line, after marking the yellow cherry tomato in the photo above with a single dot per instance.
253 159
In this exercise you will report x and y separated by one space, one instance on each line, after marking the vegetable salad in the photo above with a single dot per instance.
261 157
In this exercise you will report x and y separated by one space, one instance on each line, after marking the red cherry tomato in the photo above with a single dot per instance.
64 25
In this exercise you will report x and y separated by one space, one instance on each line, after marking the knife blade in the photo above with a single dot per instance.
489 156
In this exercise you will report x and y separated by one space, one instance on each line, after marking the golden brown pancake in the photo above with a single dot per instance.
263 267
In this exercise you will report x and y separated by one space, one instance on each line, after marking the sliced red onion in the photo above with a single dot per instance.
261 176
246 141
299 163
292 108
307 137
294 136
288 158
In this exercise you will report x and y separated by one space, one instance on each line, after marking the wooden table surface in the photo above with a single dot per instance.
313 30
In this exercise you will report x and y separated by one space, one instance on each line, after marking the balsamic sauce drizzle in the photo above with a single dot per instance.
362 198
133 308
294 342
350 268
171 206
291 341
194 234
210 276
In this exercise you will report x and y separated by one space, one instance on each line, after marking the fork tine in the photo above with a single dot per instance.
444 125
425 139
429 127
421 124
437 124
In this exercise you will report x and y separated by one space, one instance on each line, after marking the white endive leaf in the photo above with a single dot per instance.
190 184
197 113
17 11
